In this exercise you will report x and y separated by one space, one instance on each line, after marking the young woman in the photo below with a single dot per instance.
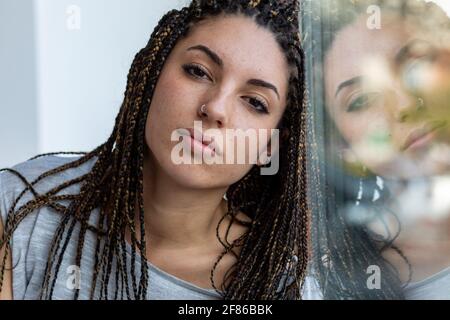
125 221
386 86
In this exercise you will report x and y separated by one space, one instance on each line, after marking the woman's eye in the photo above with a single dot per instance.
196 71
362 102
257 104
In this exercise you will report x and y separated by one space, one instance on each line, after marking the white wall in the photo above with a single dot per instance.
18 105
63 70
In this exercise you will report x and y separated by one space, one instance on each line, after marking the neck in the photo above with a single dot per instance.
178 216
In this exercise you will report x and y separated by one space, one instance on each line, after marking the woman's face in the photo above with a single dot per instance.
385 90
215 65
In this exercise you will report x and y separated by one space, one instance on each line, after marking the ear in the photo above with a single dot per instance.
273 146
264 157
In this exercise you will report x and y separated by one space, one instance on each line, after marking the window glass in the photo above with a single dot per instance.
378 75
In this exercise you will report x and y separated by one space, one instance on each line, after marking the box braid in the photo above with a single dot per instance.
274 250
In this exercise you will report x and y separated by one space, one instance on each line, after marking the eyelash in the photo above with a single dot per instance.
260 106
192 67
369 98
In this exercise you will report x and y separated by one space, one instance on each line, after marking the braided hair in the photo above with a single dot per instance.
275 244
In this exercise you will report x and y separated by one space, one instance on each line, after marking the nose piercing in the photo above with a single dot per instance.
203 110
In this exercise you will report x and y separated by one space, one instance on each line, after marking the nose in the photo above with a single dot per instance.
406 105
215 111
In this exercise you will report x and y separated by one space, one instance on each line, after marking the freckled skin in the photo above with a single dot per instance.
178 96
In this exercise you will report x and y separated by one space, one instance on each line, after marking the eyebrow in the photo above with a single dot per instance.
264 84
211 54
405 50
348 83
217 60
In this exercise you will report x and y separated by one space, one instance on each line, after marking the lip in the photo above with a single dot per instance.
206 141
422 136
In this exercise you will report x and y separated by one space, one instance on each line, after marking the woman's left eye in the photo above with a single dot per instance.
196 71
362 102
258 104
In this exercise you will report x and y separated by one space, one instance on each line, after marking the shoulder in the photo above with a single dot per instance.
13 181
32 237
30 170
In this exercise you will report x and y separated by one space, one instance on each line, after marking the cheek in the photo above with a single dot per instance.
263 130
168 108
362 127
351 127
169 94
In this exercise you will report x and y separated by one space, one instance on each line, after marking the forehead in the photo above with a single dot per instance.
243 45
356 45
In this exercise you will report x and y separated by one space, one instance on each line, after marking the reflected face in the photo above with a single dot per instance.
387 91
239 71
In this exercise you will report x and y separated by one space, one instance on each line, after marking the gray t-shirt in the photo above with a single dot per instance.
435 287
32 240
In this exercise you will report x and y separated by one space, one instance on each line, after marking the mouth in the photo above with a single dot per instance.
422 137
201 141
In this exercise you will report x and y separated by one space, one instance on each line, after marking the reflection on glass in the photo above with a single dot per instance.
382 218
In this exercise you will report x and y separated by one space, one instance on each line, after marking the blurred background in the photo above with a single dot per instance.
63 70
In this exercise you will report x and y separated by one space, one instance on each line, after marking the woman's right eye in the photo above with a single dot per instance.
196 71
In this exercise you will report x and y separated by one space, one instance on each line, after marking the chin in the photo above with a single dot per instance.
413 169
203 176
196 176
